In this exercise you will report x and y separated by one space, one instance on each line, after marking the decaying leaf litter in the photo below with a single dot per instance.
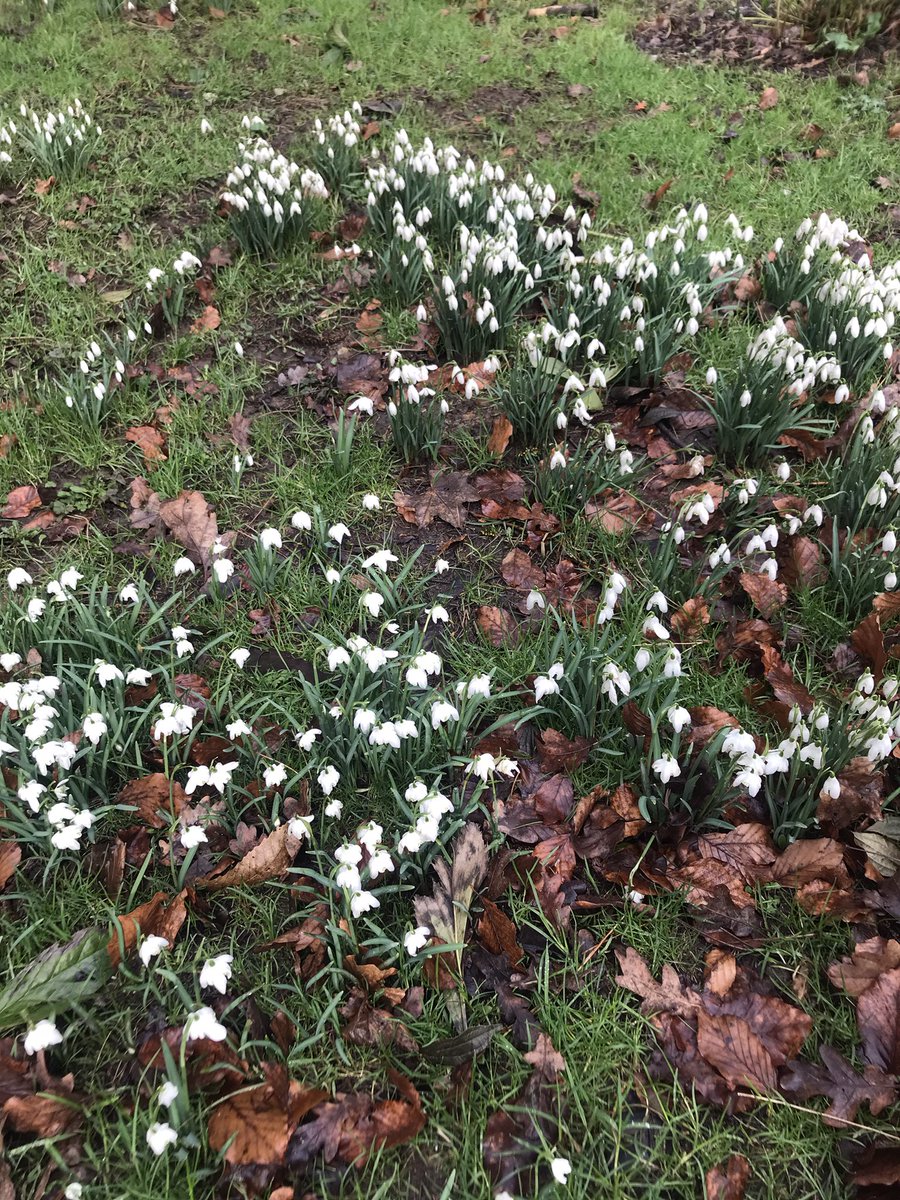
440 818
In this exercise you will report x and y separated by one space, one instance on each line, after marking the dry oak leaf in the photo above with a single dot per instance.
845 1087
20 502
144 505
878 1018
728 1181
868 961
150 441
498 625
767 594
729 1044
669 995
354 1127
520 572
446 500
192 524
256 1124
812 859
501 433
545 1058
161 916
269 859
10 857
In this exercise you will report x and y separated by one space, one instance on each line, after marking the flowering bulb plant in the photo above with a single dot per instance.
170 286
268 198
335 154
59 143
415 409
565 481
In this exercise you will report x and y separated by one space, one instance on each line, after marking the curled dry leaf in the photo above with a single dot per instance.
868 961
10 857
192 524
161 916
208 320
150 442
156 798
498 625
20 502
267 860
501 433
255 1125
728 1181
520 572
691 619
767 594
847 1089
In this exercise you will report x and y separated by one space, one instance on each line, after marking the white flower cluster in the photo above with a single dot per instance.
265 193
59 142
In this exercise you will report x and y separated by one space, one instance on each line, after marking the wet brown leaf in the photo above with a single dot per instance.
768 98
868 961
20 502
208 320
728 1181
192 524
446 500
269 859
520 572
767 594
847 1089
498 933
557 753
878 1018
10 857
501 433
150 442
691 619
161 916
738 1054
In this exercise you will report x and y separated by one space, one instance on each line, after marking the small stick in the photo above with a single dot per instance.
565 10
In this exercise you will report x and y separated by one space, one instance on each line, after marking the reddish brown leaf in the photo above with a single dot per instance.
845 1087
45 1116
520 572
691 619
868 642
556 752
768 98
208 320
802 566
652 199
878 1018
144 507
498 933
446 499
767 594
156 798
43 187
738 1054
728 1181
267 860
781 679
20 502
10 857
862 795
670 995
151 442
747 849
192 523
817 858
498 625
353 1127
868 961
501 433
162 916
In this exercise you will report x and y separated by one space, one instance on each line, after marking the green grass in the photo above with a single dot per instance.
505 90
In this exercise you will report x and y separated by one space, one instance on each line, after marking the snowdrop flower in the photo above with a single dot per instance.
890 581
167 1094
372 602
642 659
332 577
534 600
193 836
371 502
486 765
203 1024
18 577
106 672
443 711
363 902
653 625
334 808
738 744
41 1036
129 594
301 520
307 740
416 939
832 787
239 657
183 566
815 514
337 657
440 566
666 767
328 779
672 664
275 775
150 947
678 717
74 1191
94 727
223 569
270 539
658 600
712 376
437 613
380 559
160 1136
889 542
561 1169
35 609
216 972
338 532
544 686
769 567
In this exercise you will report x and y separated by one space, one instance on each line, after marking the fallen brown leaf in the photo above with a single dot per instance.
20 502
208 320
150 441
256 1124
768 98
267 860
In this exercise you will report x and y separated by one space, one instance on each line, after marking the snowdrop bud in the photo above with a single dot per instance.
889 542
712 376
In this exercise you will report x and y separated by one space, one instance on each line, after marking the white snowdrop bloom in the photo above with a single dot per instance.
658 601
438 613
183 566
129 594
672 664
167 1094
478 685
653 625
561 1169
814 513
712 376
544 686
337 657
534 600
380 863
889 542
642 659
161 1135
41 1036
372 602
223 569
239 657
150 947
18 577
94 727
203 1023
440 566
890 581
216 972
270 539
332 577
380 559
334 808
307 740
106 672
363 902
338 532
678 717
192 836
8 661
666 768
328 779
302 520
416 939
738 744
275 775
371 502
832 787
74 1191
812 753
443 711
769 567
